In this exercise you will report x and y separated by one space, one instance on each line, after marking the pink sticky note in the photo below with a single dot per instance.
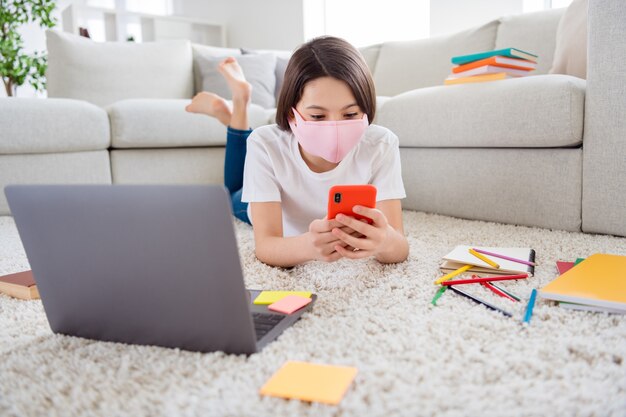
289 304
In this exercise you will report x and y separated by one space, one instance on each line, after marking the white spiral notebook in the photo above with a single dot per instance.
461 256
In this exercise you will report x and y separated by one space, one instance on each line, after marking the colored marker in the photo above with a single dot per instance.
479 301
530 306
509 293
486 279
438 294
453 274
508 258
484 259
496 290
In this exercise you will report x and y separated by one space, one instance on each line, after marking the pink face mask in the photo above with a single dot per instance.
331 140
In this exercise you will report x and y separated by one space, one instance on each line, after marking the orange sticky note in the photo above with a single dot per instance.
310 382
289 304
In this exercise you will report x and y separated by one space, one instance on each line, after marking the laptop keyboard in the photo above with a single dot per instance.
264 322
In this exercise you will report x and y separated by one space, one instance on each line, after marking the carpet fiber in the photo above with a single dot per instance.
414 359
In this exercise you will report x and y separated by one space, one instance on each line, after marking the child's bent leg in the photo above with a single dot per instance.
237 133
240 209
235 158
233 170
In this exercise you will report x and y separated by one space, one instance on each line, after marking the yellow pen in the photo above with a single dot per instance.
453 274
484 258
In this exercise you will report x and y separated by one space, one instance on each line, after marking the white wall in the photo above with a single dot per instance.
216 11
449 16
267 24
255 24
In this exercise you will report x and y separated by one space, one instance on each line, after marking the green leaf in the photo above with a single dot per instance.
17 66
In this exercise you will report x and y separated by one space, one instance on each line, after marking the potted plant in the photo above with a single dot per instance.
16 66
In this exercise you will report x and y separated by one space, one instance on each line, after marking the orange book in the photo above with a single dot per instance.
498 61
477 78
599 280
19 285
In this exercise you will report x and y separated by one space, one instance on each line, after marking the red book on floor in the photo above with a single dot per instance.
563 266
20 285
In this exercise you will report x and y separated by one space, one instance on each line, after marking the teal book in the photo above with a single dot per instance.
509 52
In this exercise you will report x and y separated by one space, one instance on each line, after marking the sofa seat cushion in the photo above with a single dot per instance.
156 123
531 112
51 125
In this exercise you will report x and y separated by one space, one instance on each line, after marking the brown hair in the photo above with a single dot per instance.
325 56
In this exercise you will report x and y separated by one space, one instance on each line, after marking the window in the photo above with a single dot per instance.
367 22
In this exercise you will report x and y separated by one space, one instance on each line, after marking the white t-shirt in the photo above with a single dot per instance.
275 171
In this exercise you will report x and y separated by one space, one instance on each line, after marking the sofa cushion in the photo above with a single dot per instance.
570 53
51 125
282 59
105 72
531 32
406 65
370 55
258 70
198 51
154 123
530 112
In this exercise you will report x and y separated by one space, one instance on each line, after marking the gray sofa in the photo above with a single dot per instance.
545 150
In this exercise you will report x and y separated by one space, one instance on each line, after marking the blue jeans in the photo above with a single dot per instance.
233 170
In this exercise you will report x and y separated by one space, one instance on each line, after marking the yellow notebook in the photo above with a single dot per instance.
599 280
478 78
310 382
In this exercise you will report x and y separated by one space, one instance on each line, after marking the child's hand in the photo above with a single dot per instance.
323 241
374 237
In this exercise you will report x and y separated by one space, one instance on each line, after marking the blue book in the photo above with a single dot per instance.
509 52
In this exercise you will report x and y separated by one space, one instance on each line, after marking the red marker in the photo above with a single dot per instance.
497 291
485 279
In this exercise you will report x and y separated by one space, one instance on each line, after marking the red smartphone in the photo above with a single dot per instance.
341 199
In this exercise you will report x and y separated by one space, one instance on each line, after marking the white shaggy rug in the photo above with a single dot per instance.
456 359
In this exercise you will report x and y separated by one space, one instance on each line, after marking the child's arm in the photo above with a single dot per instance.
383 239
274 249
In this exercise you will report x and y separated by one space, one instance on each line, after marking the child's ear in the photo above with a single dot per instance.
292 114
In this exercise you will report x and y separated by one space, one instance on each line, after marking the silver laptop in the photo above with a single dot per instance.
145 264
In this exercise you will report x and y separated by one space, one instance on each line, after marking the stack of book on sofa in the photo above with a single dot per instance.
491 65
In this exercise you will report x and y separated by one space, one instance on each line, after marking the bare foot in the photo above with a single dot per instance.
237 83
211 105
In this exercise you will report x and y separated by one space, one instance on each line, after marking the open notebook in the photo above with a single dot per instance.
460 256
